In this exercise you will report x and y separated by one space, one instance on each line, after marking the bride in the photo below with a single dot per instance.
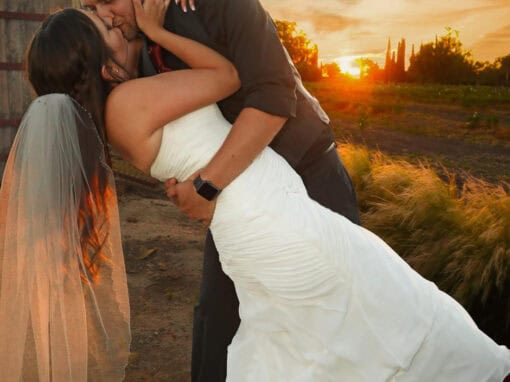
321 299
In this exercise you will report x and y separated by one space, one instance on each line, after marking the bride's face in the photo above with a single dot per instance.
113 37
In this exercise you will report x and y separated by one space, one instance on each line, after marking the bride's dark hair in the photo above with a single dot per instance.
66 56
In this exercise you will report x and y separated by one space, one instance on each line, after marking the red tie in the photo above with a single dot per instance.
155 53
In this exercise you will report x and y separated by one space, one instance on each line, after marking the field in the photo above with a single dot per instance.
465 128
456 132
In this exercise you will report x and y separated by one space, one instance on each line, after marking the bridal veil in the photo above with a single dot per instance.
64 309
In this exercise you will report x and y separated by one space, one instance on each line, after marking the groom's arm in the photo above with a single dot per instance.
250 134
267 79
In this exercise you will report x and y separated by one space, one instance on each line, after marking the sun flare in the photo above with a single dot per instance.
348 65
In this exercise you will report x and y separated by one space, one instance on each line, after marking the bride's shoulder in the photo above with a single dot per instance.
123 112
122 98
135 108
125 102
134 98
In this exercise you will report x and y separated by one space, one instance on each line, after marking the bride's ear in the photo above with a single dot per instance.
106 73
114 74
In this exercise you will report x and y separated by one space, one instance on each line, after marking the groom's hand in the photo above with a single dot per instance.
184 196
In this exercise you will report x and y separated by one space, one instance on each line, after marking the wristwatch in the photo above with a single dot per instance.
205 189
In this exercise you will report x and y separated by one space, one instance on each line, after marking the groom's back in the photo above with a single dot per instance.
243 32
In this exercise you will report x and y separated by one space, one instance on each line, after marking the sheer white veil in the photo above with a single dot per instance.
64 311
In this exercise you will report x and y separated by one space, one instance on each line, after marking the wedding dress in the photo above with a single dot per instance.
321 299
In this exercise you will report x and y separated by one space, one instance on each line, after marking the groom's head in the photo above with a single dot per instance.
115 13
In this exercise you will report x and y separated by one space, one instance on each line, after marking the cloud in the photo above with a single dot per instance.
349 2
321 21
493 44
498 37
329 22
346 27
435 16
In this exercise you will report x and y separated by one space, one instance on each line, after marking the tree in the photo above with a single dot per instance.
504 66
443 61
369 70
303 53
495 73
331 70
487 73
400 70
388 64
394 66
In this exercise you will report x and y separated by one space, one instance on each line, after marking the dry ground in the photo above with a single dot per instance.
163 251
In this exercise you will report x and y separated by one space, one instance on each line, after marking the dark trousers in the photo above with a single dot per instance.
216 316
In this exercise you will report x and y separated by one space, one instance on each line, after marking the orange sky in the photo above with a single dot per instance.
361 27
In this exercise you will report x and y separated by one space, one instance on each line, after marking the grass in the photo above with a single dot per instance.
458 237
461 95
471 113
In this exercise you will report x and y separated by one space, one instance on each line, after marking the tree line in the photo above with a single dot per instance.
303 53
443 60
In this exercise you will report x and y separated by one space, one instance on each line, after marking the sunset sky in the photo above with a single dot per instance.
346 29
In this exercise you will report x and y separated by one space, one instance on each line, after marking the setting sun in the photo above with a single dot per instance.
345 28
348 65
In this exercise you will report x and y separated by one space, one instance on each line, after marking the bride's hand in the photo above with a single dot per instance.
184 196
150 15
184 6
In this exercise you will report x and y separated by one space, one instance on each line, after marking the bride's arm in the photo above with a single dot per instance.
144 105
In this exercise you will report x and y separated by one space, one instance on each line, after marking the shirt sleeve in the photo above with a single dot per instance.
251 41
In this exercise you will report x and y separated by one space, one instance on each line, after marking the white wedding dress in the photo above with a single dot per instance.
321 299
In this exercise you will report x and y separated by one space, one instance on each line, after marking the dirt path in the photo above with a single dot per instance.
487 161
163 251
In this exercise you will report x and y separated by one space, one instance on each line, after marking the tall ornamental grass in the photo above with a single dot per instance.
456 236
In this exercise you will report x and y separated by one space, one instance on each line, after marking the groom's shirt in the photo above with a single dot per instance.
243 32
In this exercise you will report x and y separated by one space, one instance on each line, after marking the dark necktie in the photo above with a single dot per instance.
156 55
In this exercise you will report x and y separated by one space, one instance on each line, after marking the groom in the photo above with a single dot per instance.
271 108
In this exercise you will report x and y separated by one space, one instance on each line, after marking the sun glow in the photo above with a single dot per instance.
349 65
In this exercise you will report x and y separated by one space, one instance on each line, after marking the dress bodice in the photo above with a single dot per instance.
189 143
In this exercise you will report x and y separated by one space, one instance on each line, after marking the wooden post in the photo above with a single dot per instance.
19 19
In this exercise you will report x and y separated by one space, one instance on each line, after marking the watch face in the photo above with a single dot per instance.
207 191
205 188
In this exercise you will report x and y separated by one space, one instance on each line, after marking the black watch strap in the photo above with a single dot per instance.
205 189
